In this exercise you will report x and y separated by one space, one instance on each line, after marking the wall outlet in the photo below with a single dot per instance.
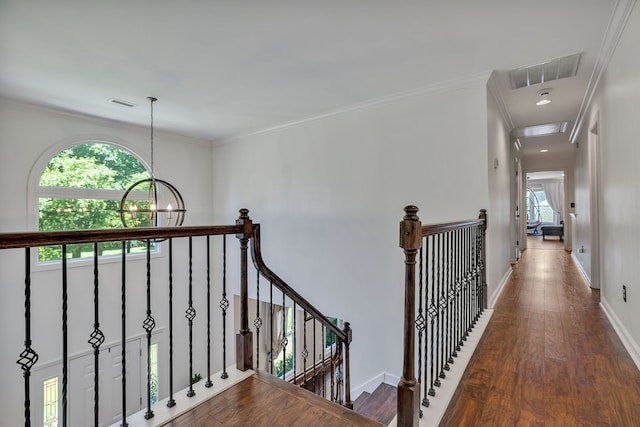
624 293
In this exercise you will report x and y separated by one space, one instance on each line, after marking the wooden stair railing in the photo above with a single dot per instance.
244 230
451 295
343 337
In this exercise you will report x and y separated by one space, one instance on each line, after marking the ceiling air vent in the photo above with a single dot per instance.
545 72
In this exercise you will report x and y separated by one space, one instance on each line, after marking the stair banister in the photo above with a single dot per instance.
408 388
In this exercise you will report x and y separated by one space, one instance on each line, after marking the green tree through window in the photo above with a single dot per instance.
80 188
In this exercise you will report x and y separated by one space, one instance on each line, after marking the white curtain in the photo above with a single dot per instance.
271 340
554 190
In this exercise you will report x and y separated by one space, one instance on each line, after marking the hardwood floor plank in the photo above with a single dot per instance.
549 356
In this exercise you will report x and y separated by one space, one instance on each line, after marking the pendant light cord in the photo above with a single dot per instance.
152 99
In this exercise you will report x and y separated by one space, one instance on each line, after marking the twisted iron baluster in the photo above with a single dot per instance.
96 338
148 325
171 402
224 305
190 314
28 357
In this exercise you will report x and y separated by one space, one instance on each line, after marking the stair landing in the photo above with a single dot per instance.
263 400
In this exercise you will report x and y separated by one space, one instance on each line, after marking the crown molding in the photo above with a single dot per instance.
615 28
440 87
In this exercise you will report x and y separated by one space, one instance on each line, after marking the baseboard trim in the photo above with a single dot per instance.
629 343
370 385
579 266
494 298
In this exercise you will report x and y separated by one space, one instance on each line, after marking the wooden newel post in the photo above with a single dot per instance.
347 371
244 337
483 255
408 387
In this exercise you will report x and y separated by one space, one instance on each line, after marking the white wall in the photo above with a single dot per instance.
582 224
330 194
620 181
26 132
501 204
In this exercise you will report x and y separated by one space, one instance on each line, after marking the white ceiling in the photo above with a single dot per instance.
226 68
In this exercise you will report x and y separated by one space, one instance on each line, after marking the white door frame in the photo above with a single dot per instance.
594 192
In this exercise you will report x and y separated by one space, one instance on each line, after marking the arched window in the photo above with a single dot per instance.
80 188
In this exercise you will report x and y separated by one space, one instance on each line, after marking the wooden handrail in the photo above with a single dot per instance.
256 256
52 238
431 229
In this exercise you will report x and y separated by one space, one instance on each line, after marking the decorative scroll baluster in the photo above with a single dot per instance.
420 322
258 321
171 402
96 338
446 321
295 340
148 325
224 305
190 314
283 340
315 378
28 357
209 383
440 285
123 343
331 369
271 329
305 352
65 338
433 313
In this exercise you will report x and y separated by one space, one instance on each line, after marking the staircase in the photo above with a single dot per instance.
380 405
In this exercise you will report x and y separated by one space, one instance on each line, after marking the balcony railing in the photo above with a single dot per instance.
449 296
149 290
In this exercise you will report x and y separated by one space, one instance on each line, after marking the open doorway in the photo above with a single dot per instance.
545 204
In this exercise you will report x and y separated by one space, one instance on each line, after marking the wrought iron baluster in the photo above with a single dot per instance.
190 314
315 377
271 329
209 383
305 352
123 339
441 308
458 288
324 368
425 380
420 322
447 311
65 338
451 293
28 357
96 338
148 325
224 305
433 312
295 340
258 321
283 339
171 402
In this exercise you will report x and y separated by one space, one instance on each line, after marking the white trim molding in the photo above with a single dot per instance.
632 347
494 298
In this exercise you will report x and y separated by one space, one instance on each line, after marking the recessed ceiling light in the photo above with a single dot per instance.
544 151
544 101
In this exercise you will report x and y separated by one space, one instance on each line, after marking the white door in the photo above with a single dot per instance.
81 402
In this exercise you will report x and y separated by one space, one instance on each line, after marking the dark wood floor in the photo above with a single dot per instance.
263 400
549 356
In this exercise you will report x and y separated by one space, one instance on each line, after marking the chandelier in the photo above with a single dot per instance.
152 202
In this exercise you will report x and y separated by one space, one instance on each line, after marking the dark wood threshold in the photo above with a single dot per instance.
263 400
